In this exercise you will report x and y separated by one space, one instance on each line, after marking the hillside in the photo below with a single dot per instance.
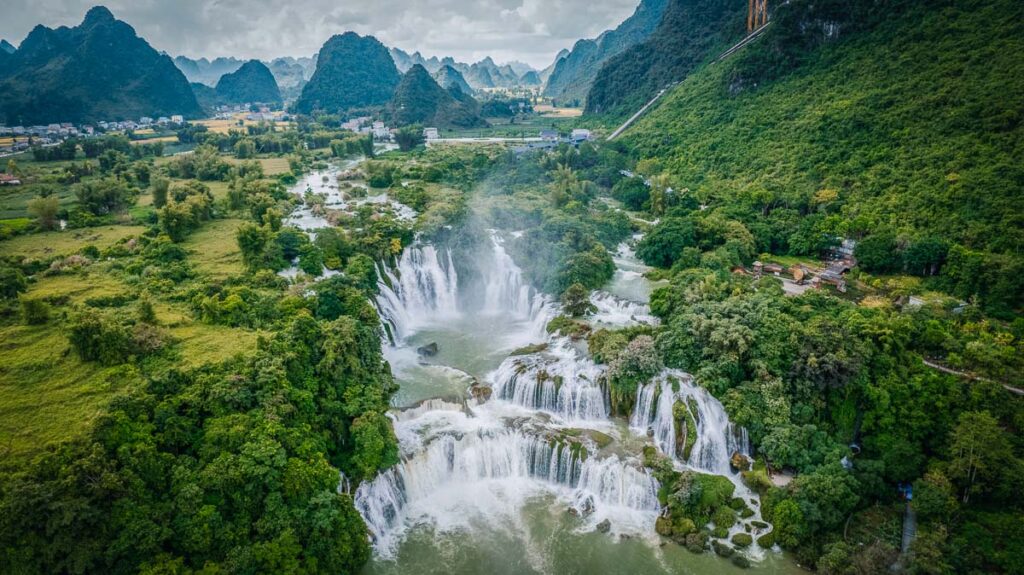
6 47
690 32
206 96
99 70
253 82
351 71
447 77
903 125
573 73
420 100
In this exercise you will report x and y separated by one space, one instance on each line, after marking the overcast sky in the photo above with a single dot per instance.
529 30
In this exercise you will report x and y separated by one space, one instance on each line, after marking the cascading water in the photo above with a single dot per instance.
717 438
488 457
422 290
559 380
453 469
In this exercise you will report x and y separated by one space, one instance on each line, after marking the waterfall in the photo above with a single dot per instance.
507 291
717 438
421 291
616 311
454 464
560 380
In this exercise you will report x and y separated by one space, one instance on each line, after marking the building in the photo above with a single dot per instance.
177 119
580 135
9 180
431 133
549 135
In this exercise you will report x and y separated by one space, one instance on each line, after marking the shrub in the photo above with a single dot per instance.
34 311
12 282
742 539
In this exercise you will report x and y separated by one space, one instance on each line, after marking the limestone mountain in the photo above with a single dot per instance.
573 74
6 46
530 78
420 100
352 71
546 72
447 76
98 70
253 82
206 96
690 32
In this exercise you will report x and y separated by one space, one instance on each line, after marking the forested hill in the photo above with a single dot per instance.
253 82
573 73
420 100
352 71
690 32
900 127
99 70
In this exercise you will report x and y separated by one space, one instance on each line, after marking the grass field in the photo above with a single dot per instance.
215 250
67 242
552 112
271 166
224 126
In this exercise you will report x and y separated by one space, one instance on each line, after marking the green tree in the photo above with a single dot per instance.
576 300
45 211
159 186
979 448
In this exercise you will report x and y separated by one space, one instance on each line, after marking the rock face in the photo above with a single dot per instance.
573 73
739 462
352 71
429 350
253 82
98 70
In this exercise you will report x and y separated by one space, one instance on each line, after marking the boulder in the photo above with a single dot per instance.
479 392
742 540
740 561
721 549
739 462
429 350
604 526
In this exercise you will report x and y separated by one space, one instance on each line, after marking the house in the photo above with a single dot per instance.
9 180
145 121
549 135
431 133
580 135
177 119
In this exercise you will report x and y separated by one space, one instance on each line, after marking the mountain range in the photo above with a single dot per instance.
479 75
98 70
574 72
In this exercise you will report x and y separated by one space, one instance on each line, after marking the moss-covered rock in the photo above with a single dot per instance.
742 540
740 561
721 549
746 513
696 542
720 532
737 503
530 349
767 540
663 526
724 517
759 524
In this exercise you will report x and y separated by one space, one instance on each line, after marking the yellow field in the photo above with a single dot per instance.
271 166
214 249
552 112
224 126
67 242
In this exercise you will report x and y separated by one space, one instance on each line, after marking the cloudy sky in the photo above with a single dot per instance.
529 30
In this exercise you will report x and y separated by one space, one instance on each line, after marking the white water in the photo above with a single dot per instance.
560 380
467 464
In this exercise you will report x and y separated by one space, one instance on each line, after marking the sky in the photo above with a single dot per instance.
532 31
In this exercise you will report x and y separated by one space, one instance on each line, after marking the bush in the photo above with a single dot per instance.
742 540
34 311
12 282
96 337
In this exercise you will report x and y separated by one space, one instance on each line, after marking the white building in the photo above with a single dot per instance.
431 133
580 134
177 119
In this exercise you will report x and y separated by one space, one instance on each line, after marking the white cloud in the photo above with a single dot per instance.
528 30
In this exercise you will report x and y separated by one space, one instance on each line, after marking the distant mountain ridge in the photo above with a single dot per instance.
480 75
98 70
575 72
6 46
447 76
206 71
352 71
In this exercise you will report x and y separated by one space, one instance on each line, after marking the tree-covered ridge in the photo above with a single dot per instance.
253 82
574 73
419 99
352 71
99 70
689 32
887 129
